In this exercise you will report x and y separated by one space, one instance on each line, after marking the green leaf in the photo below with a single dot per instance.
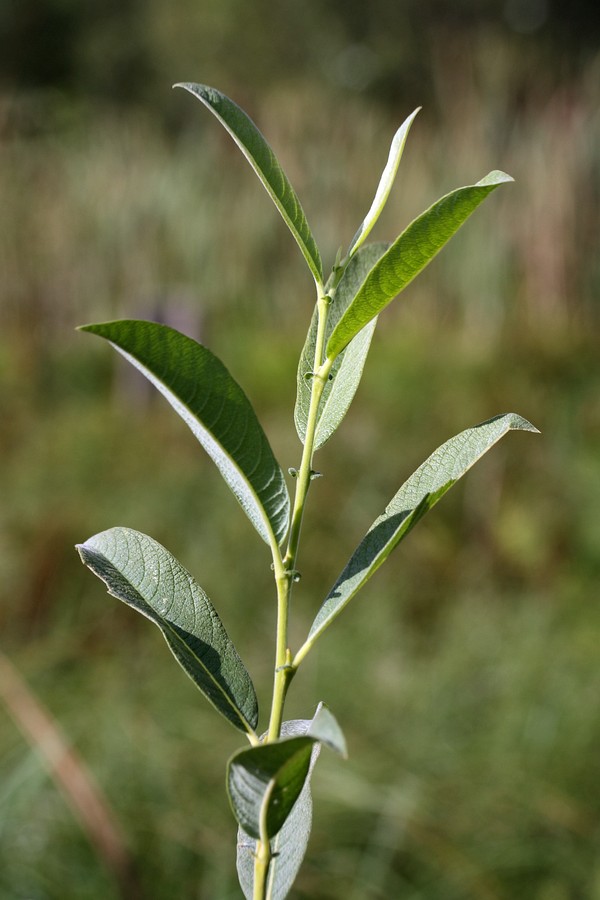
408 255
140 572
289 845
385 184
213 405
348 366
416 496
264 162
264 783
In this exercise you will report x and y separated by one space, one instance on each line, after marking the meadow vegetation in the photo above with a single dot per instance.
478 640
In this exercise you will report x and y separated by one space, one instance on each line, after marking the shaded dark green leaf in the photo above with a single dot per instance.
264 783
289 844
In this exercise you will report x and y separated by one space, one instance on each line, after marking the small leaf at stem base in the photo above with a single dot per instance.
288 846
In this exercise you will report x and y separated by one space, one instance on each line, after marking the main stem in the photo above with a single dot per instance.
318 377
262 861
284 570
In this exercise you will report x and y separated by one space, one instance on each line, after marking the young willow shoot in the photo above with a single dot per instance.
268 783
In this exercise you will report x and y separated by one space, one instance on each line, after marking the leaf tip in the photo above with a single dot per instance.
197 90
85 548
518 423
494 178
83 553
325 729
90 328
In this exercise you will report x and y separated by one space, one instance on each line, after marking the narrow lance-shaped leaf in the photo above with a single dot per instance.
213 405
416 496
408 255
264 162
348 366
385 184
139 571
289 844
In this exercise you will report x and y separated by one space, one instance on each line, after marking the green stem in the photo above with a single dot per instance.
283 669
319 377
284 570
262 861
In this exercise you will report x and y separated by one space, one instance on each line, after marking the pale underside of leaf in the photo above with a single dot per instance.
215 408
143 574
416 496
264 162
348 367
385 184
289 845
418 244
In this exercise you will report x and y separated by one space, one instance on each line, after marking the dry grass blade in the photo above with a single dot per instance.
72 777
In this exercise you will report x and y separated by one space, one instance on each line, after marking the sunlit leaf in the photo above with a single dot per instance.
416 496
140 572
348 366
264 162
385 184
408 255
213 405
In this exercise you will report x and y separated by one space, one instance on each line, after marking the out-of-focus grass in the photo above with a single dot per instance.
467 674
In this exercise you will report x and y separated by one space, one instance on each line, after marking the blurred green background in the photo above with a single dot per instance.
467 676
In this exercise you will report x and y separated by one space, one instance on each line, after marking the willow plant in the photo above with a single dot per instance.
268 782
